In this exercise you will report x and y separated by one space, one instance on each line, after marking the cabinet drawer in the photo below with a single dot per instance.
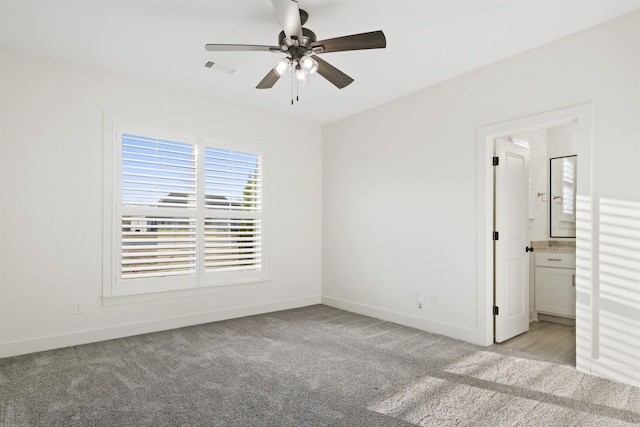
555 259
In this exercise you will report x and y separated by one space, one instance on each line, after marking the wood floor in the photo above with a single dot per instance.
551 341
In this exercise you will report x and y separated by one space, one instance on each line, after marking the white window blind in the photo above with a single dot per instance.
232 244
158 246
568 186
233 180
189 213
157 172
233 230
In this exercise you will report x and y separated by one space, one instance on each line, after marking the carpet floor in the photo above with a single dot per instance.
313 366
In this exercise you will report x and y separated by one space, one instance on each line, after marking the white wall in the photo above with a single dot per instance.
400 199
546 143
539 173
51 217
562 140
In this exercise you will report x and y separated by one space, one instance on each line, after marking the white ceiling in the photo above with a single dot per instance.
162 41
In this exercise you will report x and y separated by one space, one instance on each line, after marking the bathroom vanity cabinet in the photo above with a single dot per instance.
555 283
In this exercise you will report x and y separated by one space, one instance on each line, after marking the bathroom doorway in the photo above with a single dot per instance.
534 249
581 116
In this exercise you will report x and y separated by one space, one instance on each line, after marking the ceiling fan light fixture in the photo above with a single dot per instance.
309 65
282 66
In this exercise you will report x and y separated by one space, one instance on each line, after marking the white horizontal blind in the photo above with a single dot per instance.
158 246
232 244
233 180
233 227
568 186
157 172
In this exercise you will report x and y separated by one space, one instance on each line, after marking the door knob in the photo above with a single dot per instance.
529 249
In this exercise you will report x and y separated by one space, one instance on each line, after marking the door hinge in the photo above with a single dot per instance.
496 161
495 310
496 235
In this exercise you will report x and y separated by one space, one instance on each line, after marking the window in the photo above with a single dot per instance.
188 212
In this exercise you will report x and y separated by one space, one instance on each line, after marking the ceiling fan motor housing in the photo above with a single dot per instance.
297 48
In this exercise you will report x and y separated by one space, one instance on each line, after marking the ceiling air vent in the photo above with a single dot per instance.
227 69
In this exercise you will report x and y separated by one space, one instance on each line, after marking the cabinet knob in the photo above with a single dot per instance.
529 249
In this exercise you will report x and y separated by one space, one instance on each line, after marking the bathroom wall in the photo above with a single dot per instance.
539 183
556 141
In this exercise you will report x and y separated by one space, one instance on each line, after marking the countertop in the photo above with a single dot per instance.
554 246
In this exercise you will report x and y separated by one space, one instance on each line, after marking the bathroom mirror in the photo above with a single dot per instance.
562 202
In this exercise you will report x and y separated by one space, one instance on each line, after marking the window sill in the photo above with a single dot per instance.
159 295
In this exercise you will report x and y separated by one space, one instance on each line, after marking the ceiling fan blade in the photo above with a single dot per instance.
371 40
331 73
269 80
240 47
289 17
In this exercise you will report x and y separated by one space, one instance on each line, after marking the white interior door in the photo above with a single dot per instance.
510 255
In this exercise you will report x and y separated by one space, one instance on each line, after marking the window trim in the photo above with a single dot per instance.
201 282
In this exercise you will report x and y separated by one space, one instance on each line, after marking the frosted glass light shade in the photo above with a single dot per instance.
282 66
309 65
301 75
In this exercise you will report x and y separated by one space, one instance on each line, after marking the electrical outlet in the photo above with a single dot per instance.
434 301
420 299
78 308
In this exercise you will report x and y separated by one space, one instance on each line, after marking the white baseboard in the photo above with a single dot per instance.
533 316
441 328
16 348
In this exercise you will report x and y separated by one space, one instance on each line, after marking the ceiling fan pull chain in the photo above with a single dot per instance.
292 77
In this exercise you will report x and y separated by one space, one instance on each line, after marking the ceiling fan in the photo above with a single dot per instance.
302 48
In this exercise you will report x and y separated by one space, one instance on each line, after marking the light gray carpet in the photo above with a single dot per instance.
314 366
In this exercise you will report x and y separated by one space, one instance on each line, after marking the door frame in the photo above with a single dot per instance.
485 196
